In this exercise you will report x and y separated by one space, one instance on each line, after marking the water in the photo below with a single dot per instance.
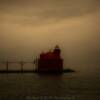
31 86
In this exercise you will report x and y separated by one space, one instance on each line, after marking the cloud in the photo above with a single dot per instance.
30 12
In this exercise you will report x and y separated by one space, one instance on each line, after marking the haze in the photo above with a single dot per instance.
28 27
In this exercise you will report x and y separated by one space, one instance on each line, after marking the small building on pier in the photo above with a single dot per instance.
50 61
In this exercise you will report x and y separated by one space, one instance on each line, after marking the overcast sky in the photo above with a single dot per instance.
28 27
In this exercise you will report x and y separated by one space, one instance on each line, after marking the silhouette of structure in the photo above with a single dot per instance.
50 61
47 63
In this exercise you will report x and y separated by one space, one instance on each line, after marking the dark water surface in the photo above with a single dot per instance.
31 86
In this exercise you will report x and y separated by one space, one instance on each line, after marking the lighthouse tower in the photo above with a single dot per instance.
57 51
50 61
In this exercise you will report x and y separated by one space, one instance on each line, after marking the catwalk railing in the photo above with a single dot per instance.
20 65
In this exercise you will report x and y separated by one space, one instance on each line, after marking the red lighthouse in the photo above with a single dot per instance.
50 61
57 51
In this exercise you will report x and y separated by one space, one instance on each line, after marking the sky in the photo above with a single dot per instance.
28 27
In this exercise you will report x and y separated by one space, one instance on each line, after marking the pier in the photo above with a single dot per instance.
5 67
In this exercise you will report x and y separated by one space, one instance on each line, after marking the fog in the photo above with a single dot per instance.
28 27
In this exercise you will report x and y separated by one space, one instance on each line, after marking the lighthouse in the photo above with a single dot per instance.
57 51
50 61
